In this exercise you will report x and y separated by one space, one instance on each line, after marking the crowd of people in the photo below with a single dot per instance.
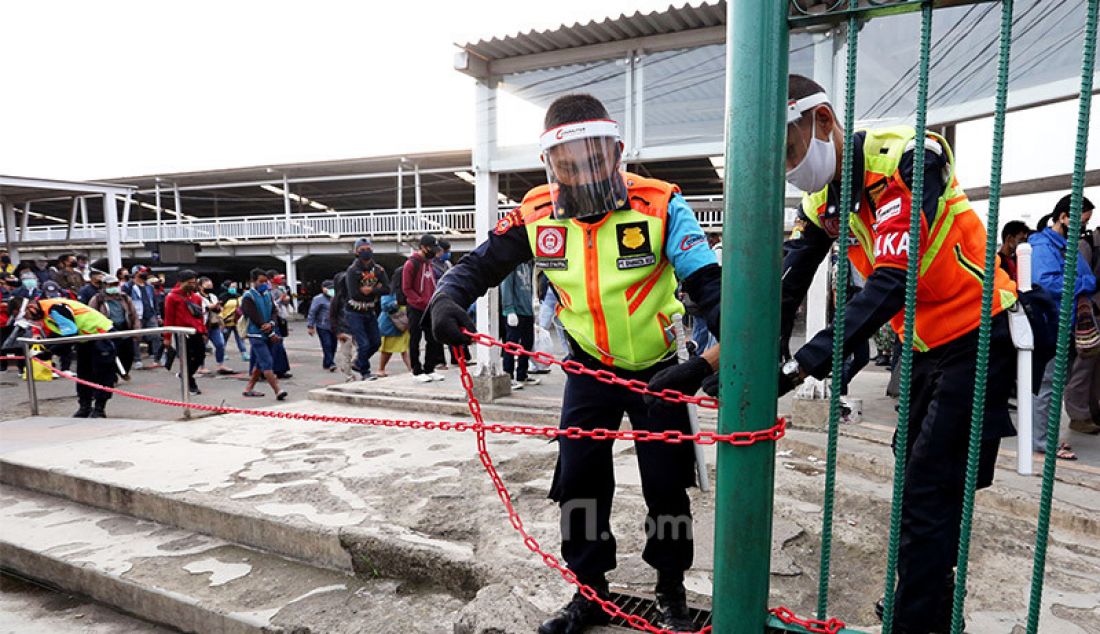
609 257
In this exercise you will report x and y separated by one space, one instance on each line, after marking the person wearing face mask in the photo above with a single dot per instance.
119 308
183 307
6 265
93 286
263 335
215 325
1048 259
366 283
231 300
66 275
948 312
614 245
418 283
319 324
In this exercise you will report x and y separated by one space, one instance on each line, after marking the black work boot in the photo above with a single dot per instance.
100 410
577 615
85 409
672 603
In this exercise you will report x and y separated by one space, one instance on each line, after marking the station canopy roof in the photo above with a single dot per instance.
683 93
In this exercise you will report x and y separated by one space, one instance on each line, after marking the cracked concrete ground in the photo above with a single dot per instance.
372 488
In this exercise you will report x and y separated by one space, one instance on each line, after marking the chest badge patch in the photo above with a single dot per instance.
550 242
633 238
635 250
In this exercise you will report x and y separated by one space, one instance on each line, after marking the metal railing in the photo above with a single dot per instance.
376 223
178 332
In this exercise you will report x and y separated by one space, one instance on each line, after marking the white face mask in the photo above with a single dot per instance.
818 166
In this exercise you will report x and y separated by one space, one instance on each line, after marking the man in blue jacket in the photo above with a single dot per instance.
1048 260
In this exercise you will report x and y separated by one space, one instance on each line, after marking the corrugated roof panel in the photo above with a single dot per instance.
624 27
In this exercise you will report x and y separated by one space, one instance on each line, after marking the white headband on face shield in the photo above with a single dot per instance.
796 107
597 128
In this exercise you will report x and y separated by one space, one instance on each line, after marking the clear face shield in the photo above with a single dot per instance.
810 161
584 168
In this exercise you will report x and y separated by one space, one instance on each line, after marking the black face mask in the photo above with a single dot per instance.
579 201
366 256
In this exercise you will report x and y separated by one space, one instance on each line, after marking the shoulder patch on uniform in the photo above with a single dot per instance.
888 211
510 219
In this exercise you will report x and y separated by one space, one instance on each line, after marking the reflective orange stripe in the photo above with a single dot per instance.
650 282
592 287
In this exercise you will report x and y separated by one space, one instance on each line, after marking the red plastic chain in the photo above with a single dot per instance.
738 439
11 358
817 626
635 621
604 376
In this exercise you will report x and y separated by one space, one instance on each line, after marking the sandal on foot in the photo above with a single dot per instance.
252 394
1065 452
281 396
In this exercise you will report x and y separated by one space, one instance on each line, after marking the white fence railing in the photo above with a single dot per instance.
376 223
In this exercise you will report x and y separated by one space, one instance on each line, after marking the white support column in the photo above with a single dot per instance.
126 215
817 298
114 242
26 220
83 212
416 192
401 196
291 262
486 189
72 219
10 243
179 207
156 202
286 203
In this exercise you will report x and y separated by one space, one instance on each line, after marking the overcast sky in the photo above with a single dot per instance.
111 88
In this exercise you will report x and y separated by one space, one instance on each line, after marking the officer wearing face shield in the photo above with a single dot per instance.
949 290
613 245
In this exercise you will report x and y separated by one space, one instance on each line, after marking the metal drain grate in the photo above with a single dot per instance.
646 607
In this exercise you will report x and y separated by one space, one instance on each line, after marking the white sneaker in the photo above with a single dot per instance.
423 378
516 385
138 365
532 380
437 377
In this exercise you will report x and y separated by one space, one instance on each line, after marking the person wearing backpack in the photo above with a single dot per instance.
1083 386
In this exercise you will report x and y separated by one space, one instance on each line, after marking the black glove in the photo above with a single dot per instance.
448 320
786 383
710 385
685 377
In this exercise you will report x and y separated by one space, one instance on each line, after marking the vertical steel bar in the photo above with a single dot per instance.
185 389
756 90
841 292
981 378
693 410
32 388
1088 66
901 438
156 194
1024 410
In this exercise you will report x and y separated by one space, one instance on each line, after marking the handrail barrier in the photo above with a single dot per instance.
178 332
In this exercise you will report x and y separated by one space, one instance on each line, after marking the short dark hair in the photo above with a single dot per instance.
271 273
1061 208
572 108
255 274
799 87
444 245
1014 228
186 275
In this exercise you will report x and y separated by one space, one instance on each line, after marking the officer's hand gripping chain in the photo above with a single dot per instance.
685 377
449 321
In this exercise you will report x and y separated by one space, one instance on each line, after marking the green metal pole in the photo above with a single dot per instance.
756 92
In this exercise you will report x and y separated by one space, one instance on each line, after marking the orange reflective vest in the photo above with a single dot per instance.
616 285
952 250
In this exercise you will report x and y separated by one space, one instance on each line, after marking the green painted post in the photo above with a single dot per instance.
756 68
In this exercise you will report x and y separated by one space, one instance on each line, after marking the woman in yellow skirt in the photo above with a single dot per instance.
393 325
